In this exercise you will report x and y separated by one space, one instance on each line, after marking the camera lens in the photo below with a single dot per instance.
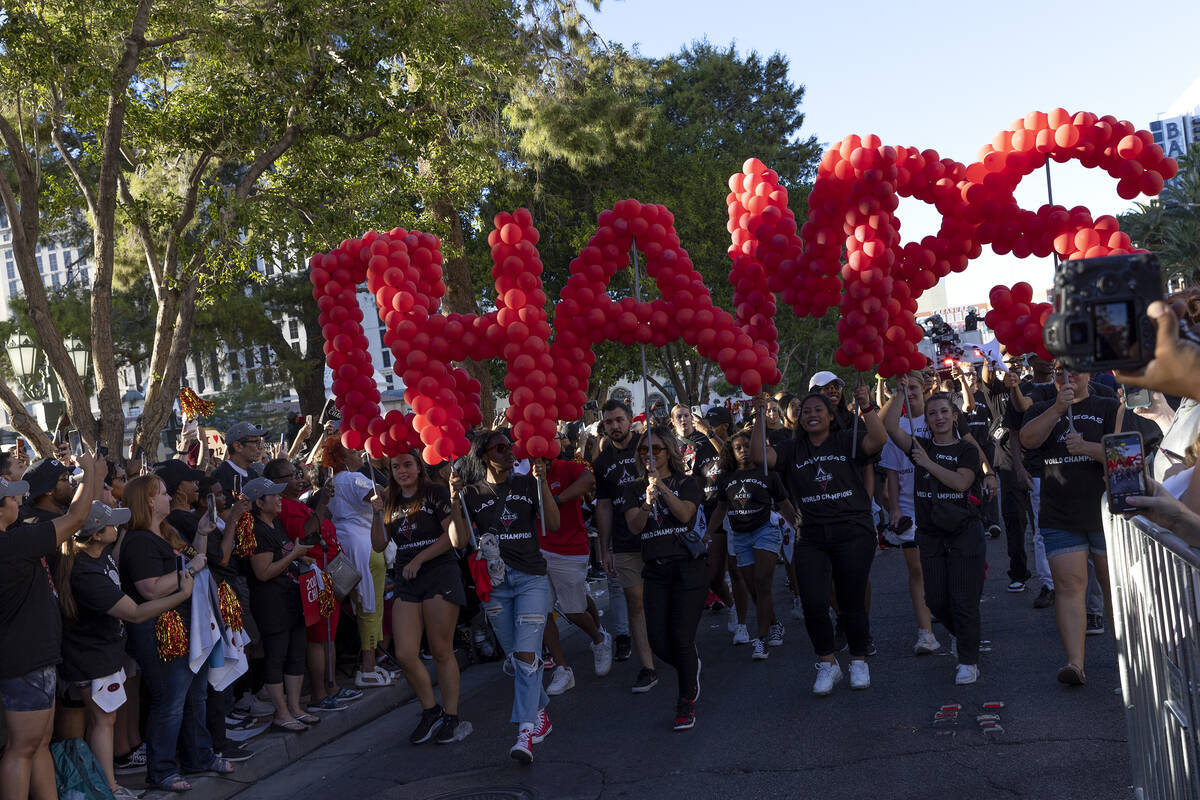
1077 333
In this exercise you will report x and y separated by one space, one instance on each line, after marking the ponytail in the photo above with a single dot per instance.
62 577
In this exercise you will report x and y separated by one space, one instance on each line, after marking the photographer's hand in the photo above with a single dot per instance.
1161 508
1175 368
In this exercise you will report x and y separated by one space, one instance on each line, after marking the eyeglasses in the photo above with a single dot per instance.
257 442
500 448
658 448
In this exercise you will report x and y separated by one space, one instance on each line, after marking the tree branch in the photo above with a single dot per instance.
24 423
150 44
187 213
145 237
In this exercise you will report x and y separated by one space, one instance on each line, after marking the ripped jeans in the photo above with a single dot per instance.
517 611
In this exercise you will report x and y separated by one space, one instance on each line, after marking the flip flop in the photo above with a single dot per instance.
309 719
175 783
291 726
1071 675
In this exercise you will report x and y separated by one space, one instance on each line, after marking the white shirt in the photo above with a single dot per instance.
897 460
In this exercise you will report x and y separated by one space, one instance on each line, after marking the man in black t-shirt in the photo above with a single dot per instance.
243 461
50 491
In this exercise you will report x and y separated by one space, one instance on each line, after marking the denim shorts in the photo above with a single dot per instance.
33 691
1058 542
768 537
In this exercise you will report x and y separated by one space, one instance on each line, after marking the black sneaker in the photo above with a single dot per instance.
1095 624
622 647
131 763
872 650
445 734
647 679
994 531
1045 598
236 753
431 718
685 715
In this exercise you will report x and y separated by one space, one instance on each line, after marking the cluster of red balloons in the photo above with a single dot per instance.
763 230
1017 321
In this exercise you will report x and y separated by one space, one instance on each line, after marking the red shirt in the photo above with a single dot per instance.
571 538
293 516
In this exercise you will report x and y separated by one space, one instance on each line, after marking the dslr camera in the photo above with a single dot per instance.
1099 321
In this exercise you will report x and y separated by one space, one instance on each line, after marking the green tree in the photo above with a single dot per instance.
1169 224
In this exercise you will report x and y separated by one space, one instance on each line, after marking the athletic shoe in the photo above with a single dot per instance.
602 654
1016 586
872 650
1095 624
375 679
994 531
761 652
741 635
699 665
966 674
623 647
522 751
452 730
797 608
926 643
685 715
235 753
860 675
1045 598
325 704
548 662
347 695
562 680
253 706
647 679
431 720
246 729
131 762
542 727
775 635
827 675
732 621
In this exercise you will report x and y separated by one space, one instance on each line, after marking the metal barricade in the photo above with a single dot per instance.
1156 611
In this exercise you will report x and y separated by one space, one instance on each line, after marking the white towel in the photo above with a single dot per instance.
109 692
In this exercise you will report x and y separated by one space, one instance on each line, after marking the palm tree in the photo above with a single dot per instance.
1169 224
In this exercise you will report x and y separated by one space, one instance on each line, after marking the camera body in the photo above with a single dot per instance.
1099 321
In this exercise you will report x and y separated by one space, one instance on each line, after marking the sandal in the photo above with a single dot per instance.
218 765
309 719
175 783
291 726
1071 675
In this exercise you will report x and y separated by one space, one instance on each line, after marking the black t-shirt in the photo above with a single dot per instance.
274 603
979 424
224 474
777 436
145 554
415 529
1152 434
1072 485
825 482
702 461
927 490
94 645
616 470
30 622
749 497
660 537
1038 393
509 510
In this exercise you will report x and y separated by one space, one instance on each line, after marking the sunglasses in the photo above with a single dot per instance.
658 448
500 448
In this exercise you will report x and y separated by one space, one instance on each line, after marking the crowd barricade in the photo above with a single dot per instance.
1156 611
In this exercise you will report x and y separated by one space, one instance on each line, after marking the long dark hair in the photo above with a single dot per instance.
474 465
667 437
796 429
728 459
393 496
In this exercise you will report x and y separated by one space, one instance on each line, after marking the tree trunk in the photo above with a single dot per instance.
163 389
25 424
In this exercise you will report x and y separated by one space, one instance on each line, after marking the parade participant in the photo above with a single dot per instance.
619 550
150 570
504 509
823 470
1066 434
950 536
746 499
429 591
94 608
243 456
777 430
567 557
1014 480
830 385
661 508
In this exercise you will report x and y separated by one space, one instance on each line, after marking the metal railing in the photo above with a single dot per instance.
1156 612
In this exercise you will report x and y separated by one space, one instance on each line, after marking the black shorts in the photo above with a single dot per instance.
441 579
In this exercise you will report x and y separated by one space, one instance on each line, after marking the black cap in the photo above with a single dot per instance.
43 474
174 472
718 415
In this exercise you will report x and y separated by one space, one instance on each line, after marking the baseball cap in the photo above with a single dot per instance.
822 378
100 517
718 415
259 488
43 474
243 430
174 472
13 488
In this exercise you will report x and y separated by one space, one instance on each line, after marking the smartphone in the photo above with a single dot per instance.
212 508
102 450
20 447
1136 396
76 443
237 485
1124 469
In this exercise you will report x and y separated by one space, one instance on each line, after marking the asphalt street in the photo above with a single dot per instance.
761 733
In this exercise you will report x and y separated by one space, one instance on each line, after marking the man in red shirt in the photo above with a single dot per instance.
299 521
567 558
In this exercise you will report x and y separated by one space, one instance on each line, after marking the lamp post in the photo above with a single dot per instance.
23 354
80 357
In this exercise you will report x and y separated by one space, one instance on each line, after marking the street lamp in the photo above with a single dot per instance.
80 357
23 354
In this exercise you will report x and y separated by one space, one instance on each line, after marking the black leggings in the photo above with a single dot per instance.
840 555
954 571
673 594
1014 499
284 653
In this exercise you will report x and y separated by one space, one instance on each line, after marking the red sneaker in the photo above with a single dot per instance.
522 751
541 728
685 715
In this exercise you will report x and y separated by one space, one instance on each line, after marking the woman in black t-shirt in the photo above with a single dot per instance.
746 498
151 569
93 608
661 508
275 604
835 543
429 591
949 528
504 510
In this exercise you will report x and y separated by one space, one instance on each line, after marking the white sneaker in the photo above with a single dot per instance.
827 676
966 674
741 635
731 621
562 679
375 679
797 608
775 635
602 654
860 675
761 653
253 706
927 643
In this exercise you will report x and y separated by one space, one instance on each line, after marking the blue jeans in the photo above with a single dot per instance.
176 717
517 611
618 610
768 538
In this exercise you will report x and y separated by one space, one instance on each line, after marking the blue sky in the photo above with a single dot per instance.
949 76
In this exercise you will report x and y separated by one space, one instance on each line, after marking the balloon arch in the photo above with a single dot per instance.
848 253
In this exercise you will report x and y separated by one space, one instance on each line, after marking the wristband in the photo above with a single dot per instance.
870 408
